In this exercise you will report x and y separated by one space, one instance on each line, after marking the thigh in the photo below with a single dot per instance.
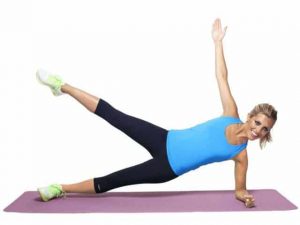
150 136
156 170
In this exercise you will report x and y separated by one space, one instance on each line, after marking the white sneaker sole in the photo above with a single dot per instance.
39 74
40 190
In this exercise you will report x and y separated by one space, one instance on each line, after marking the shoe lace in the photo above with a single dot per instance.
56 81
60 193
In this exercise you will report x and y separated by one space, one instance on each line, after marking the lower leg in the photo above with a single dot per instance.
87 100
152 171
82 187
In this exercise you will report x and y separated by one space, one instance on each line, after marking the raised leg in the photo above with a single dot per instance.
150 136
87 100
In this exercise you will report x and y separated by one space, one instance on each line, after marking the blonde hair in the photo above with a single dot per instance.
269 111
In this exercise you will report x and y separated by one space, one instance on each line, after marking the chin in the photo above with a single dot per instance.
253 139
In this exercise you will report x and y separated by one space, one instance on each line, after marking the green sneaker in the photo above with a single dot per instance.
50 192
53 81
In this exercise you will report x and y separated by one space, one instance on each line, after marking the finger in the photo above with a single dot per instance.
249 200
216 24
248 197
220 25
249 204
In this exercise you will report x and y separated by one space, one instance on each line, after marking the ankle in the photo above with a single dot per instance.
64 188
65 88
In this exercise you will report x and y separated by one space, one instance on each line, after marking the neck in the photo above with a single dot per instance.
241 132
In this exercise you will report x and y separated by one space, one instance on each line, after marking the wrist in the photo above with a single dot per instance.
240 194
218 42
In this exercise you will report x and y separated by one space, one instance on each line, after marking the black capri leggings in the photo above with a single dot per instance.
152 137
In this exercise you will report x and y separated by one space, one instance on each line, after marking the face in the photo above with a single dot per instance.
259 126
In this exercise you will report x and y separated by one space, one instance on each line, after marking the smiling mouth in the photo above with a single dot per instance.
255 135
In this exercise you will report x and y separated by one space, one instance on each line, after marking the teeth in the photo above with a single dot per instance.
254 134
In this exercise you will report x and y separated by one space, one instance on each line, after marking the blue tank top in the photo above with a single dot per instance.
202 144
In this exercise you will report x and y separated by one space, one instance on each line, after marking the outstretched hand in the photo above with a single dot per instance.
217 32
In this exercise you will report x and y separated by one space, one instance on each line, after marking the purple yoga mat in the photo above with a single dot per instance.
142 202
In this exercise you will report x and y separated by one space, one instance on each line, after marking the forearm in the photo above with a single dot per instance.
220 64
240 173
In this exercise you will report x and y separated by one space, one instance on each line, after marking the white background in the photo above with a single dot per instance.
154 60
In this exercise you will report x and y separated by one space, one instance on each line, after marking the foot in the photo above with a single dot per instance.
53 81
50 192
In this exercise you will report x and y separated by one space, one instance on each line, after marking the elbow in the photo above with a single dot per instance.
222 72
222 75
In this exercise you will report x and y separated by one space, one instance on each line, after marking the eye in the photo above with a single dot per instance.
257 123
266 129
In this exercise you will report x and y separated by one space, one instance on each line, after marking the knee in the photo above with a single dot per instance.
98 185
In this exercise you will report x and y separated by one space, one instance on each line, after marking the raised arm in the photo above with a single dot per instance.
240 173
228 103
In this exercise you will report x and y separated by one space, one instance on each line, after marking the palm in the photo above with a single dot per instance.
217 32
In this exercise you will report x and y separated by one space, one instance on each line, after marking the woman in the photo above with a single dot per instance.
174 152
